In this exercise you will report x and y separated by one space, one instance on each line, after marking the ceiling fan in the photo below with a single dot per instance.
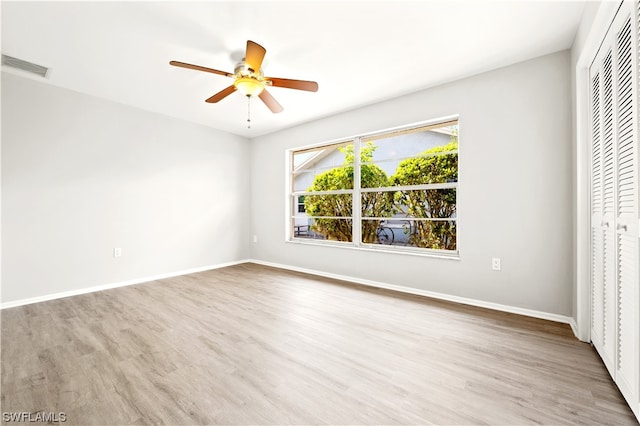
249 79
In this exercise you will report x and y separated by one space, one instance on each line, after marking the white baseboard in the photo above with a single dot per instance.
574 327
410 290
115 285
377 284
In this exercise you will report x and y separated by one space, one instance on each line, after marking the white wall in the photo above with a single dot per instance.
81 175
514 200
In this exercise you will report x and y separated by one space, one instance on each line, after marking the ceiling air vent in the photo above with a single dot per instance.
25 66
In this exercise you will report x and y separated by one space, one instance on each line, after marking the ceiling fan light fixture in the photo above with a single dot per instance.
249 86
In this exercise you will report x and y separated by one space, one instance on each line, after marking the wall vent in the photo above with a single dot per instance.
25 66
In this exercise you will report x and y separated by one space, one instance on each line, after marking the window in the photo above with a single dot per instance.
301 208
394 190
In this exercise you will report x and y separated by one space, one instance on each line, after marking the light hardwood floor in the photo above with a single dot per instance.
250 344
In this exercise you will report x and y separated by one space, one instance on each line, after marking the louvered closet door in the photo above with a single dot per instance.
604 334
627 241
615 211
597 234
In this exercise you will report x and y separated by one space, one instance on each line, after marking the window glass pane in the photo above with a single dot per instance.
438 165
331 205
410 158
378 204
303 229
408 143
322 169
387 232
324 179
437 235
429 203
325 156
373 176
323 229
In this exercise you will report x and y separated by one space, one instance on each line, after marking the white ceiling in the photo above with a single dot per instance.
359 52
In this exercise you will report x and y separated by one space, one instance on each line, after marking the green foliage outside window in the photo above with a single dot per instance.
435 165
376 204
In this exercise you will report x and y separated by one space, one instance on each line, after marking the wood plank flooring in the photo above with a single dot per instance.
250 344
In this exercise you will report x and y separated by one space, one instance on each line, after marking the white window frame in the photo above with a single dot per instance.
291 196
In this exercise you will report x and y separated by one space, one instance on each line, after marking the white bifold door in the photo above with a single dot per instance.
615 230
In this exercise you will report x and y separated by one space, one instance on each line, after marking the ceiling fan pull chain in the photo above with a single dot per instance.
248 112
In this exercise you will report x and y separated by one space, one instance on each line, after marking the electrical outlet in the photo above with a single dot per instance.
495 263
255 238
117 252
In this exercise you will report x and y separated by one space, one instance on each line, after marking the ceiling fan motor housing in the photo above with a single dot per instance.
248 81
242 69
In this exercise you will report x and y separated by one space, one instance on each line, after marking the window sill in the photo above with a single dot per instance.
378 249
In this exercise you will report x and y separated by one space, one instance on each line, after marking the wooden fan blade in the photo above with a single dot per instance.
254 56
221 94
270 101
199 68
309 86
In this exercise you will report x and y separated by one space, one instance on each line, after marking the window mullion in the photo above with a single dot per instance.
356 201
422 187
